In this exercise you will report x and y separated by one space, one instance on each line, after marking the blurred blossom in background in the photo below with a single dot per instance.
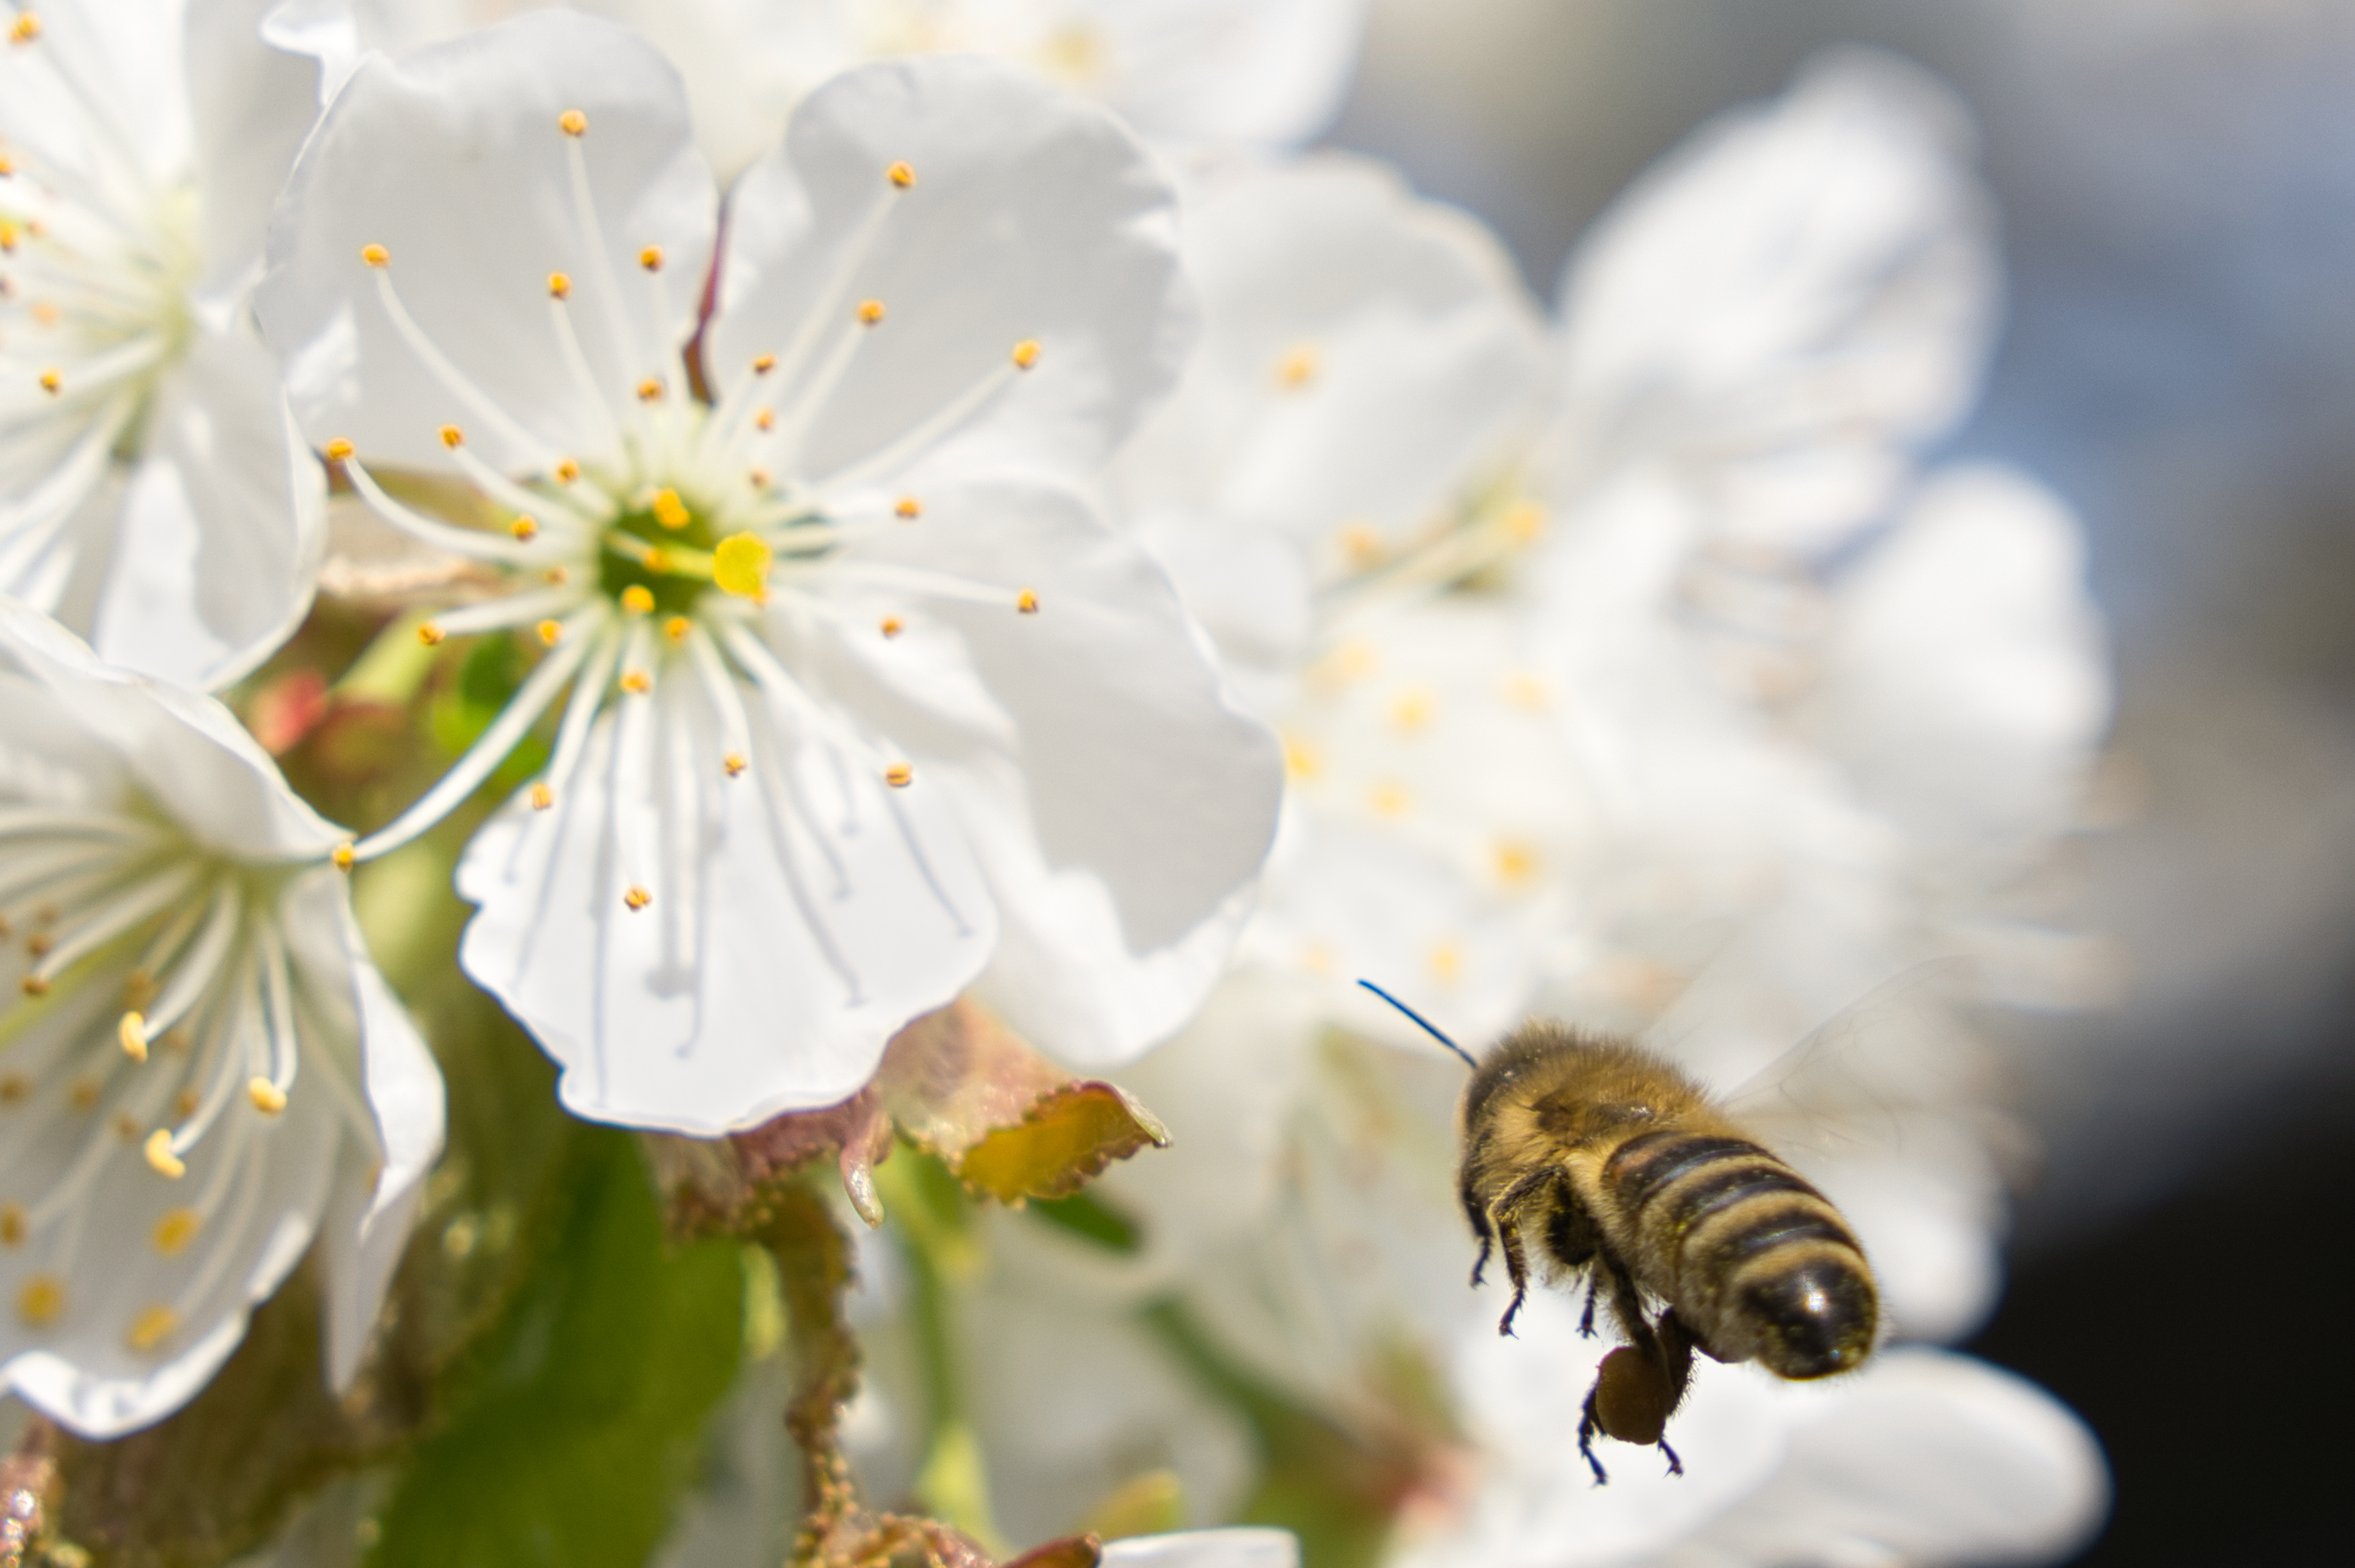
1805 533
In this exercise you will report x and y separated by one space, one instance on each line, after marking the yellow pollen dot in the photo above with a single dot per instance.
8 232
40 1300
765 420
560 286
735 762
891 627
638 898
184 1103
1298 366
556 576
676 628
14 1089
651 258
1362 543
740 565
1316 958
1027 602
430 635
572 123
636 682
869 312
765 363
1301 761
669 510
550 631
1525 689
27 28
567 471
638 599
127 1127
161 1159
1349 661
1411 708
525 528
542 797
1446 961
46 311
154 1324
899 774
52 381
174 1230
34 984
12 1224
268 1098
1390 798
650 390
1026 353
132 1034
1516 863
760 478
375 255
451 436
657 559
1524 521
84 1095
901 175
342 856
909 508
339 450
7 167
37 945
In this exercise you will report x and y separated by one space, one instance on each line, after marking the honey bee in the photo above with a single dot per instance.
1611 1162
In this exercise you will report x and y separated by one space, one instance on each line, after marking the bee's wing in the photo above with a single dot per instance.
1872 1080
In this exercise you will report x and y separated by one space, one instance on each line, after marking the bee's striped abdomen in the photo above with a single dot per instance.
1752 1254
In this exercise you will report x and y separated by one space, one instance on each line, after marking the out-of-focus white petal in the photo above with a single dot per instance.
250 106
1033 217
1240 1546
428 154
218 550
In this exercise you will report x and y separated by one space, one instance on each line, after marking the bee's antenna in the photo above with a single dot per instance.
1429 1028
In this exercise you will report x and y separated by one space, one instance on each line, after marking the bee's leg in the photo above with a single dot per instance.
1627 1305
1675 1465
1487 1244
1587 1427
1516 1269
1586 1319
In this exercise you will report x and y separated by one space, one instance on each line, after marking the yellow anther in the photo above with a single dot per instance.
572 123
7 167
1524 521
161 1159
1390 798
1411 708
174 1230
560 286
38 943
53 381
525 528
891 627
84 1093
651 258
268 1098
46 312
339 450
41 1300
670 511
127 1127
1524 688
759 477
899 774
452 437
154 1324
650 390
1446 960
1352 660
132 1034
735 762
9 234
869 312
14 1089
638 898
375 255
677 628
1298 366
26 27
901 175
1027 602
636 682
550 631
1301 761
1362 543
765 363
1516 863
429 634
12 1226
639 599
343 855
740 565
909 508
542 797
556 576
765 420
34 985
1026 353
567 471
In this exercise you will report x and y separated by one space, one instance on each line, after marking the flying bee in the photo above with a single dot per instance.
1608 1161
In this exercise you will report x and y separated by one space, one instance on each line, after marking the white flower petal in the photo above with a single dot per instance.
222 529
250 106
1034 217
451 158
1241 1546
1268 72
799 915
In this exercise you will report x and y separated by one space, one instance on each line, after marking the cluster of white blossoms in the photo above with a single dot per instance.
987 521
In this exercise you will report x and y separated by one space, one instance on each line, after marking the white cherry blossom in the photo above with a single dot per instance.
866 706
153 493
199 1069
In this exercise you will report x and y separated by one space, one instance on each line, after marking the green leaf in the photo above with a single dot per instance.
574 1426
